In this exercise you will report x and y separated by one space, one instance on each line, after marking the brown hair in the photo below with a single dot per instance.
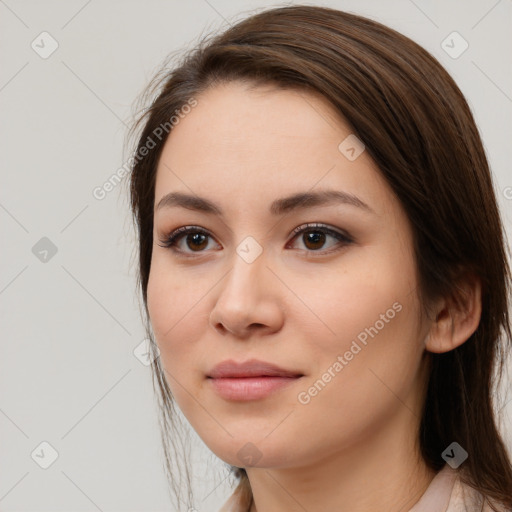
418 128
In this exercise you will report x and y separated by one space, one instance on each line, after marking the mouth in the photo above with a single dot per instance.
251 380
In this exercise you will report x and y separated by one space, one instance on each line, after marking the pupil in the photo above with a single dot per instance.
196 240
315 237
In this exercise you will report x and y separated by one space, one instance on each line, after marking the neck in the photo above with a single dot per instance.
383 471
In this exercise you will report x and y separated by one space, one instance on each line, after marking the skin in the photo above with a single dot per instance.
353 446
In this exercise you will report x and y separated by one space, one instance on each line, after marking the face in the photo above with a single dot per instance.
324 286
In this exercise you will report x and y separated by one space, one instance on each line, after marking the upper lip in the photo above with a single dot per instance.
251 368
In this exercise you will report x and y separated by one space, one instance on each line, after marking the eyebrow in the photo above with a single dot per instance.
300 200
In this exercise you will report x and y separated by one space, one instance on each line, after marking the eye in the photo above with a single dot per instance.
314 237
196 238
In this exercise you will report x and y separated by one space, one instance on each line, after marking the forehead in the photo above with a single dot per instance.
241 142
233 119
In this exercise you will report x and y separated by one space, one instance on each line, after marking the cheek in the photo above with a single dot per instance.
356 301
178 322
168 316
368 341
160 303
170 300
359 385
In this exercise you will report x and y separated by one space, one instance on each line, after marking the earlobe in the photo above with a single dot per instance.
457 316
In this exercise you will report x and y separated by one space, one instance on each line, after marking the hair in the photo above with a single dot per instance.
418 128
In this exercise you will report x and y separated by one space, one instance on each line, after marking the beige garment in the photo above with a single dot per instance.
446 493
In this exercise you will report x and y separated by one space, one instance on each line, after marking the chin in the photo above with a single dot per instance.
259 453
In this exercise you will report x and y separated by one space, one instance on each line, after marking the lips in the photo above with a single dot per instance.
251 380
252 368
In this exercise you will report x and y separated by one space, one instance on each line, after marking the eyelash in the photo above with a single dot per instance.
171 240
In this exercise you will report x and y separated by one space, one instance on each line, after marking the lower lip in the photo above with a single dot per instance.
250 388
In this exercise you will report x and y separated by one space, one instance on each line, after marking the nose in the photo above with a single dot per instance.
248 300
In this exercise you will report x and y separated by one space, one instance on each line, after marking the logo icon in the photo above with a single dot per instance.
44 45
351 147
44 250
144 353
455 455
249 454
454 45
249 249
44 455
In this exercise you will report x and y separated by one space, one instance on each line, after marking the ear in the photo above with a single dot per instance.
456 316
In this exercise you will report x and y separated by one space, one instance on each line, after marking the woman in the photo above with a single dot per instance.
323 268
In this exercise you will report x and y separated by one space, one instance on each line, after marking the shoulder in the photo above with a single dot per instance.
239 501
449 493
465 498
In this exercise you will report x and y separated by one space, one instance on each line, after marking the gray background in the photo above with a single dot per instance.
70 324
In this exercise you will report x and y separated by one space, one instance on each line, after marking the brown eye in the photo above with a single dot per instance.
187 240
196 239
315 237
314 240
